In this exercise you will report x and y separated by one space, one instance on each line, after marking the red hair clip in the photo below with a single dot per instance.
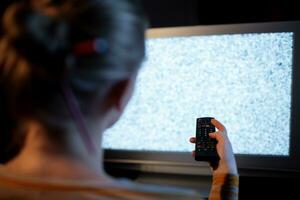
89 47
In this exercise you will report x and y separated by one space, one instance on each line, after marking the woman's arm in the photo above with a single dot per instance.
225 175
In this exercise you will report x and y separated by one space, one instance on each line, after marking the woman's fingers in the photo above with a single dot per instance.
213 135
218 125
192 140
216 135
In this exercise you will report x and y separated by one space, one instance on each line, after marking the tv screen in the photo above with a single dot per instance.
243 75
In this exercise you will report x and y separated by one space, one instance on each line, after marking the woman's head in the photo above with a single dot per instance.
39 54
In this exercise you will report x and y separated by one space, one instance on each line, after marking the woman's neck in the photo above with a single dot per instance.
66 158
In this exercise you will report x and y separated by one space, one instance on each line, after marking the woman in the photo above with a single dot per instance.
67 71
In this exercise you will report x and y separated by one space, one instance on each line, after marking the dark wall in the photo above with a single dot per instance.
166 13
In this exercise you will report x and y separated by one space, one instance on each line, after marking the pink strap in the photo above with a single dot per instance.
78 118
89 47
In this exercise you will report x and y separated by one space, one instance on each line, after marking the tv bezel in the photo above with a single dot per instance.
182 162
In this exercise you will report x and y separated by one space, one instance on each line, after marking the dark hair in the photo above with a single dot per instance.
37 55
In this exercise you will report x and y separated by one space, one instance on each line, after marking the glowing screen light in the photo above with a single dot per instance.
243 80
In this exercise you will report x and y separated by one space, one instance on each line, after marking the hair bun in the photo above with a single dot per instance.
41 39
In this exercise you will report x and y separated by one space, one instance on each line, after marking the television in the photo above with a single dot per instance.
245 75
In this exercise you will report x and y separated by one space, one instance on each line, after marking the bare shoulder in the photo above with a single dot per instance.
160 190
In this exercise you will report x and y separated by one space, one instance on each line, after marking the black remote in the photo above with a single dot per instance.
205 149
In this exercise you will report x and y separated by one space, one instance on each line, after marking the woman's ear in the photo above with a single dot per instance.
120 94
116 99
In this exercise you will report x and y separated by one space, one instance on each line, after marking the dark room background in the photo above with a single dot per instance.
166 13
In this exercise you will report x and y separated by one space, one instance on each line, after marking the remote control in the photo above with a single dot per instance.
205 149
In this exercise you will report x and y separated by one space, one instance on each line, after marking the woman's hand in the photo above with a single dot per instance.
227 163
